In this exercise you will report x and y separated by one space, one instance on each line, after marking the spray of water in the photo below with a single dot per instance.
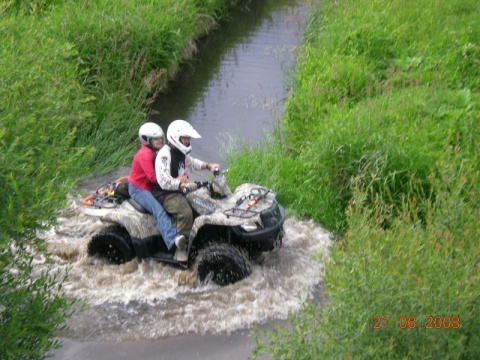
146 300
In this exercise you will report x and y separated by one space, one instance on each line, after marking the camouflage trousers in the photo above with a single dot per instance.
177 207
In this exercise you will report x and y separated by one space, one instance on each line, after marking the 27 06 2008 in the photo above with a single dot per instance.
411 322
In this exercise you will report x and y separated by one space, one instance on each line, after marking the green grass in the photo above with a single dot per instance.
414 269
76 80
379 144
378 93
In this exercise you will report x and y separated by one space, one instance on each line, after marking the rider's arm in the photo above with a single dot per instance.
192 163
196 164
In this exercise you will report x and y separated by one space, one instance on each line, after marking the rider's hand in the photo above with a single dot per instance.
213 167
183 178
188 187
192 186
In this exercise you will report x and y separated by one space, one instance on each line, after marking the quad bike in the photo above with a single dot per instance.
230 230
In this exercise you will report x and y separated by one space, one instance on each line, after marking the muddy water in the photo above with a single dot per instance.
233 91
148 300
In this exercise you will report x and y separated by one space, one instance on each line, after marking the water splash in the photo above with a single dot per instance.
149 300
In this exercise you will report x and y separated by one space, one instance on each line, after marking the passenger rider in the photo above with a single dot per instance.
142 177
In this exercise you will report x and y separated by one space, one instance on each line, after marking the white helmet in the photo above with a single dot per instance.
149 130
180 128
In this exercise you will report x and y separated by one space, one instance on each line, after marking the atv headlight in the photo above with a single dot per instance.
249 226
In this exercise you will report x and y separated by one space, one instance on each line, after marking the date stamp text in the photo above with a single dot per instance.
411 322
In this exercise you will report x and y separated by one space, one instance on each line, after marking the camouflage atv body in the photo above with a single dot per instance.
230 230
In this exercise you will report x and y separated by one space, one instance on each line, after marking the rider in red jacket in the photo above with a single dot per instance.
142 177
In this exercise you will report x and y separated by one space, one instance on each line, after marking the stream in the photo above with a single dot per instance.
232 92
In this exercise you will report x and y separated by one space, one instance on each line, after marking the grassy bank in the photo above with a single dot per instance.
379 144
76 81
77 78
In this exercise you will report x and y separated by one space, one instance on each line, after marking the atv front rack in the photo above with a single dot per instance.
241 213
246 211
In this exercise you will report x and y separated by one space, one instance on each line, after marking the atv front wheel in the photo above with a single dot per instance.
113 244
222 264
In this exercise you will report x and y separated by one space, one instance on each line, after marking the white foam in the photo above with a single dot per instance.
146 300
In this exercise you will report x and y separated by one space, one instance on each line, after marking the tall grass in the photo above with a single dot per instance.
42 104
379 144
129 51
380 90
404 276
76 79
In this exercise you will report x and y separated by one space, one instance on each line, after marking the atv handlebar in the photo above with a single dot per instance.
200 184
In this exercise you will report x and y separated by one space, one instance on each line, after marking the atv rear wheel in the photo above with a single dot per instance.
222 264
113 243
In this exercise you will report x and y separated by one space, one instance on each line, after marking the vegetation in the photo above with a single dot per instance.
76 78
379 144
32 309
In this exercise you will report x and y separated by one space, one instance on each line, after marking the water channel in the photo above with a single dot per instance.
235 87
232 91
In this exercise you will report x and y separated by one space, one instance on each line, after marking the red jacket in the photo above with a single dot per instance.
142 174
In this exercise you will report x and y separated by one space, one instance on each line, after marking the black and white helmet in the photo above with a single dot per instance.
177 129
148 131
